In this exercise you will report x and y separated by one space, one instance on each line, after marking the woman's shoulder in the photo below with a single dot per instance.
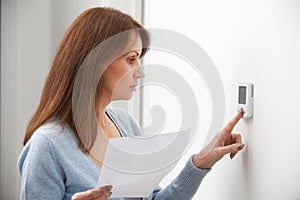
53 132
50 137
51 140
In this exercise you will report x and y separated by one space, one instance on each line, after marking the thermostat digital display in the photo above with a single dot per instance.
245 99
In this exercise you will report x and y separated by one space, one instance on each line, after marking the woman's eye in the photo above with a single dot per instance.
131 60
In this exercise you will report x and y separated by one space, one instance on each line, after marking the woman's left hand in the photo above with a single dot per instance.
223 143
102 193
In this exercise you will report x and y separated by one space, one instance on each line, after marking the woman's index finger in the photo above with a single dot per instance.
234 121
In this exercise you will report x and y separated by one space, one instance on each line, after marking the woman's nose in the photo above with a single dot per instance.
139 73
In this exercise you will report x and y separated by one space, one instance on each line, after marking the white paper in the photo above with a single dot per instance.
134 166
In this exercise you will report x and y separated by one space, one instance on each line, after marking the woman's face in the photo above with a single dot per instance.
121 76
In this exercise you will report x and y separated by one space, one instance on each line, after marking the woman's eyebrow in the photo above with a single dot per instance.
137 53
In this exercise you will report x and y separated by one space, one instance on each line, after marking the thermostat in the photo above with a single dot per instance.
245 99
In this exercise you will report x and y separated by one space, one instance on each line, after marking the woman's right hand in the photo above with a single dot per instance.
223 143
101 193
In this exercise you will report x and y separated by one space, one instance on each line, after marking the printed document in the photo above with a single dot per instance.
134 166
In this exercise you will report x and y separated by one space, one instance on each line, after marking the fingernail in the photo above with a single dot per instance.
109 194
109 187
240 146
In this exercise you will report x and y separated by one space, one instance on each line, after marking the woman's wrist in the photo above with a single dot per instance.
200 162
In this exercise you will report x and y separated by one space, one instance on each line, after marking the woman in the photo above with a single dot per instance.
73 122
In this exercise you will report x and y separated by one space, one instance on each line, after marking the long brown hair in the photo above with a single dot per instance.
90 29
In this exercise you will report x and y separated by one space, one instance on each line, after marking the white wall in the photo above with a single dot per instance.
24 36
255 40
30 33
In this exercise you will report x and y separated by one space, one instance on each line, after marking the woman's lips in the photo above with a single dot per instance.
132 87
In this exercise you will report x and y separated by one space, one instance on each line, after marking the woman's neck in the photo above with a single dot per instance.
103 119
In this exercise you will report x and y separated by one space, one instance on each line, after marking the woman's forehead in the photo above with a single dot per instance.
137 44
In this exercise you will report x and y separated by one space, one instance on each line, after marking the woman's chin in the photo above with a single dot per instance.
129 97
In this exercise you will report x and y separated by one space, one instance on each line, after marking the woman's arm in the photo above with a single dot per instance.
186 184
42 177
43 172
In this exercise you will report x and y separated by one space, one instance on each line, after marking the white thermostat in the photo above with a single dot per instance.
245 98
